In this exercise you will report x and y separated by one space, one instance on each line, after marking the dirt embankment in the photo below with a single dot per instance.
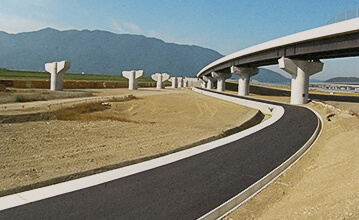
29 95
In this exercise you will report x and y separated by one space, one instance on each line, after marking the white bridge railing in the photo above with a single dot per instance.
344 16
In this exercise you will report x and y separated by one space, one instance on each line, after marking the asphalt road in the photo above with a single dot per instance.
186 189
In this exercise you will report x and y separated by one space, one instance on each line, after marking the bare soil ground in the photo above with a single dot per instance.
155 122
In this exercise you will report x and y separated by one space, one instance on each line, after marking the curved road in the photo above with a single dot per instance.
188 188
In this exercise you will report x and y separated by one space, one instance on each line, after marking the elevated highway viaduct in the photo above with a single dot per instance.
298 54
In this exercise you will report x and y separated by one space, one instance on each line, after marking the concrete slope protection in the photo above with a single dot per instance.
188 188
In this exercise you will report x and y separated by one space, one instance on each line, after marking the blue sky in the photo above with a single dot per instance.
223 25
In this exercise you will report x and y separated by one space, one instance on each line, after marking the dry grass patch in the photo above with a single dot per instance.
123 99
93 111
81 111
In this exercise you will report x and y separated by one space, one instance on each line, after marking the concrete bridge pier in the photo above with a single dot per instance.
174 82
244 74
221 80
132 77
57 71
180 82
300 70
185 82
210 81
160 78
203 83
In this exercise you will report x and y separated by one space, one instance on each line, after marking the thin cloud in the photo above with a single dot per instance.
16 24
125 27
154 34
132 27
116 26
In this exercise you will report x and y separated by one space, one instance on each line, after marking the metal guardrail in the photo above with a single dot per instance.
344 16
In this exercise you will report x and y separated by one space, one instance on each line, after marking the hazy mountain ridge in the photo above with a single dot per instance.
343 80
101 52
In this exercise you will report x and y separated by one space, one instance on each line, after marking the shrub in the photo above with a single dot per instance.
19 98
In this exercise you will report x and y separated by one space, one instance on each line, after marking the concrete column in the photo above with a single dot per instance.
244 74
52 69
300 70
180 82
210 84
203 83
165 77
174 82
221 80
160 78
159 84
57 71
132 77
210 81
185 83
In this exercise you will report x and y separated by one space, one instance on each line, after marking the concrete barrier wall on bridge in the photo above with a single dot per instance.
259 90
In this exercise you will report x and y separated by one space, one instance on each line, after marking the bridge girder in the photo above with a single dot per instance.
322 48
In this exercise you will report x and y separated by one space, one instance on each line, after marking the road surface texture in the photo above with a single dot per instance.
188 188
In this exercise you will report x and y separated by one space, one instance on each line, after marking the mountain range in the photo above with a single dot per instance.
343 80
269 76
101 52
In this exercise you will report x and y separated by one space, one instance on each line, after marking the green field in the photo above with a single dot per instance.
32 75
